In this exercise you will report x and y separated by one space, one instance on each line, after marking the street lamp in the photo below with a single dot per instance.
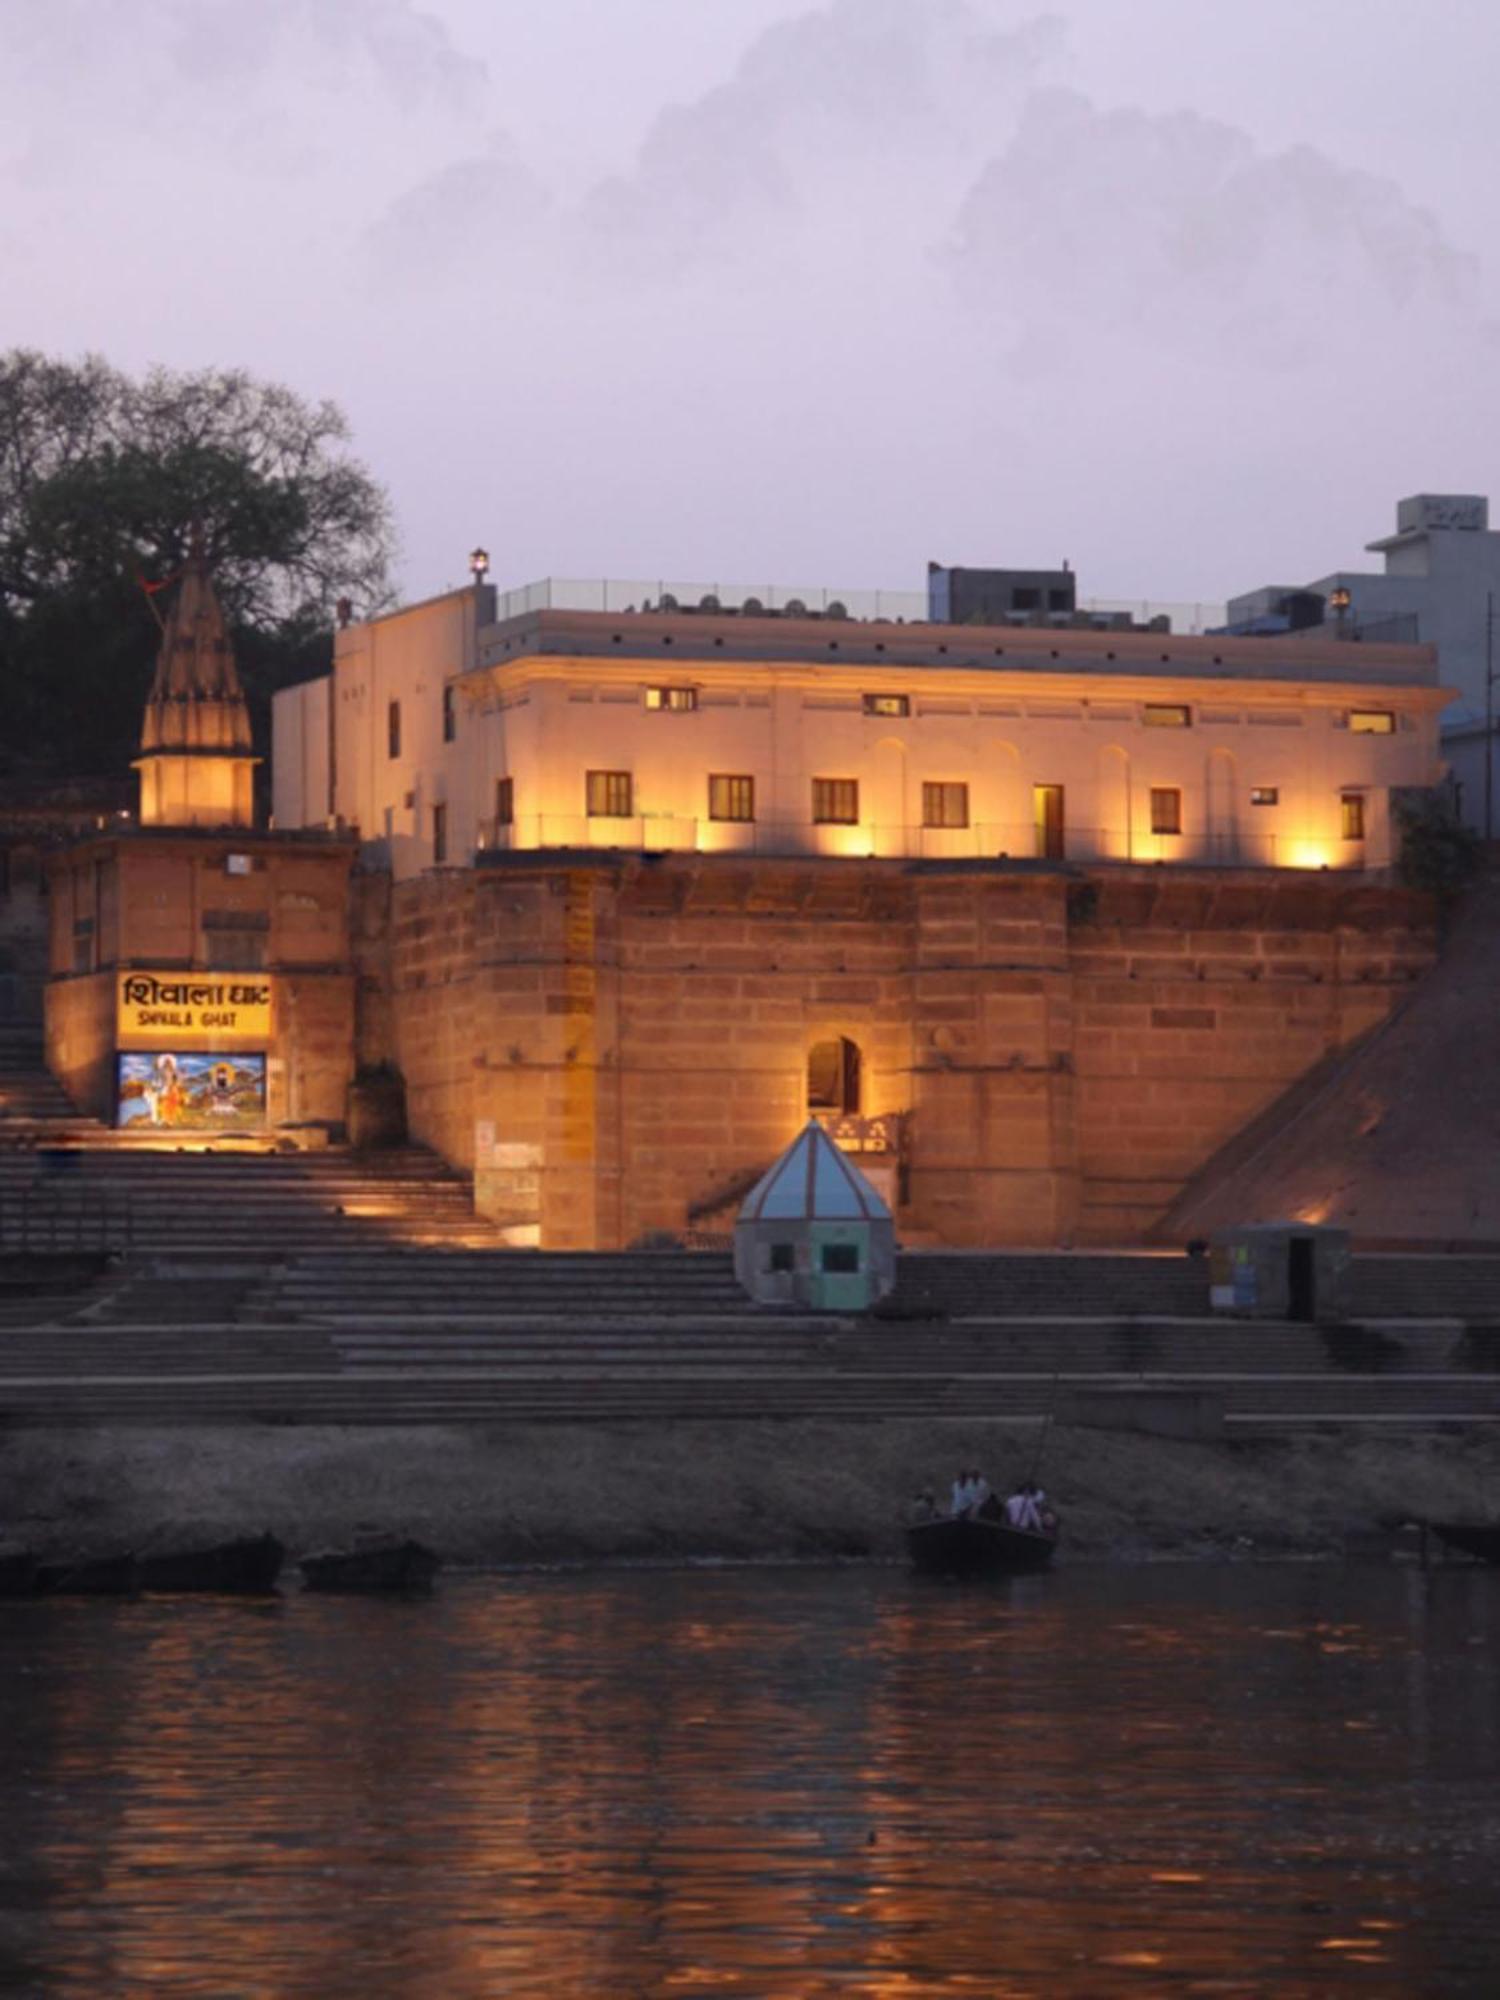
1340 598
479 564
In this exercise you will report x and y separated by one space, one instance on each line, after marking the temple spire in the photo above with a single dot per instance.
196 761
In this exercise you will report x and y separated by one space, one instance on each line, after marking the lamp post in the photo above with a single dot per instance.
1489 716
479 565
1340 599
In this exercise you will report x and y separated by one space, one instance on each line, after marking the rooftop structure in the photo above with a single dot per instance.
196 764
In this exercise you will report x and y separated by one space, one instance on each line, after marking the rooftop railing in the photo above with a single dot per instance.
623 595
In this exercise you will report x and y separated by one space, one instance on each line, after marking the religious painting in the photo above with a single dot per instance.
177 1091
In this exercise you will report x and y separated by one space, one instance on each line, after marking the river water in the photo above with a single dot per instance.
1239 1780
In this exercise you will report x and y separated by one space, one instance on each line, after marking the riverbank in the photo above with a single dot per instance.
549 1493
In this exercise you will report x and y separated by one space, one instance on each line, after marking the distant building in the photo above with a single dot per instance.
1440 587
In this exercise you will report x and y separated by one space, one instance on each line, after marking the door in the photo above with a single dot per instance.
1048 803
1301 1283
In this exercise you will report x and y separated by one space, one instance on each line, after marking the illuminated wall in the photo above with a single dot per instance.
1154 764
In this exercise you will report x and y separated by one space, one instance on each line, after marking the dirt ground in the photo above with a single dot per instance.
743 1490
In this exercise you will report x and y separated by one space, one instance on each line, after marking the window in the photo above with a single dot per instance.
440 834
505 801
945 805
887 704
1025 598
731 798
1166 809
234 950
1167 715
1047 805
1265 795
1352 814
836 801
677 699
393 729
609 795
783 1257
839 1256
450 713
1372 722
833 1077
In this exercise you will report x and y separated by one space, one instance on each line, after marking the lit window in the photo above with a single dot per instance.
1352 813
731 798
505 801
440 833
945 805
1047 809
1166 715
1265 795
835 801
887 704
609 795
450 713
393 729
833 1077
1372 722
1166 809
677 699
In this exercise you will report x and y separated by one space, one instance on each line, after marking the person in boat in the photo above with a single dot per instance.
979 1488
960 1499
924 1507
1021 1510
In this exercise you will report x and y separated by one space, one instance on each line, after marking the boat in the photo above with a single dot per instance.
963 1545
89 1576
378 1566
17 1573
247 1567
1480 1539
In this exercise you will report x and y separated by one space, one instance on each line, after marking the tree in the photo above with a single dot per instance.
103 481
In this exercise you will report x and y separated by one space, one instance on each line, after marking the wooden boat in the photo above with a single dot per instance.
248 1567
90 1576
379 1566
1480 1539
17 1573
966 1546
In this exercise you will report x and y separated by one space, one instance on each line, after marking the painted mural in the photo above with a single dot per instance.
172 1090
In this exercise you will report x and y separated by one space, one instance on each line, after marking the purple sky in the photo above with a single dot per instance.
748 290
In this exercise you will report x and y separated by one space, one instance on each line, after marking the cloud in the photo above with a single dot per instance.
1178 228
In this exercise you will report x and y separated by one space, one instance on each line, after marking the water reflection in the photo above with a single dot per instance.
1234 1781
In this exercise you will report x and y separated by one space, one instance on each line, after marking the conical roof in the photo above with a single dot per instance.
813 1182
196 701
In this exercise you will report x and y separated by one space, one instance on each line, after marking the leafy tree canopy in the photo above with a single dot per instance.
103 480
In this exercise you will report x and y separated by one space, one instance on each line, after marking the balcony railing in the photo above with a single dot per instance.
1240 847
816 600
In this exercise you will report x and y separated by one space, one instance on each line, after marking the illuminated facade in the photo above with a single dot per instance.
196 766
444 733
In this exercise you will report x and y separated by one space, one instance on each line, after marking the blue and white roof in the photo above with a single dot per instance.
813 1182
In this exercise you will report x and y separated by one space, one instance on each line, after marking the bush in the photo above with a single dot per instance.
1439 854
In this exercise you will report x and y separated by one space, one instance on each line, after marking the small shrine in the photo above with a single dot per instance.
813 1232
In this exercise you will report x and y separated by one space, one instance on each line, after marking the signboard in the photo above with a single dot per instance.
183 1091
192 1010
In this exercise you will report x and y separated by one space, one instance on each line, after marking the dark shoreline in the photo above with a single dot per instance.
543 1496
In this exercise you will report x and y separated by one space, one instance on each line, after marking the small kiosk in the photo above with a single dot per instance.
1279 1271
813 1232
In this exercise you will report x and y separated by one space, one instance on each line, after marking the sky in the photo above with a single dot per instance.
1186 292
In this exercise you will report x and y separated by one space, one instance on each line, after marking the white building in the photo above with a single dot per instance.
444 731
1441 586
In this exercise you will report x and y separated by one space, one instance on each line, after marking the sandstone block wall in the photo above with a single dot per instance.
620 1044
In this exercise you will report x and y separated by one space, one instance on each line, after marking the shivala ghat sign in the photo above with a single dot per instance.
181 1010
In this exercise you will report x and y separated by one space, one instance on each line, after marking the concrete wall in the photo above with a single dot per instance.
619 1047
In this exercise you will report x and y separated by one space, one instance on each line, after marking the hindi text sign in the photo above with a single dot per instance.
192 1010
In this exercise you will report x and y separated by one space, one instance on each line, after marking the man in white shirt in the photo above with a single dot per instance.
962 1496
1021 1511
